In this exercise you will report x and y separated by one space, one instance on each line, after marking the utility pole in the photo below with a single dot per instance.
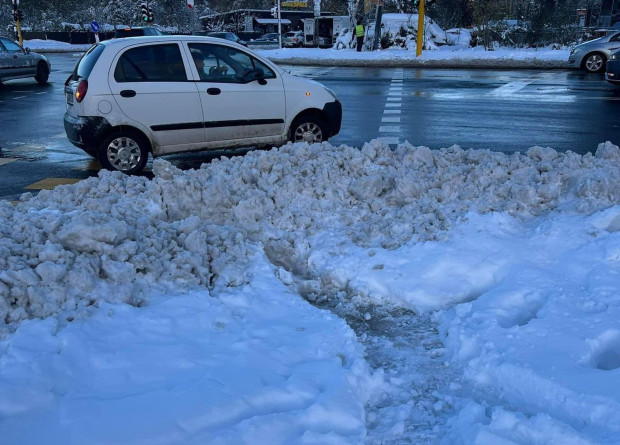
420 42
375 45
275 12
279 6
17 15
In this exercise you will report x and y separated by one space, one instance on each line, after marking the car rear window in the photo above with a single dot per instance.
88 61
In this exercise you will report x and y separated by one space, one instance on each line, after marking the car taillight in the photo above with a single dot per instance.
81 90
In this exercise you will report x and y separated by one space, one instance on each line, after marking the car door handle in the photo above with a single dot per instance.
128 93
213 91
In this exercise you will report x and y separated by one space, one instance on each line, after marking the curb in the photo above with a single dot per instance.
448 63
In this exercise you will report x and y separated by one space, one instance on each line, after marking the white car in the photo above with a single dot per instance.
130 97
293 39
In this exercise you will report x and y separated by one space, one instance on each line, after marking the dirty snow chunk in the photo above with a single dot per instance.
93 233
607 150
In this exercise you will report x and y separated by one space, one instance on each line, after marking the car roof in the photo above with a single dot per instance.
131 41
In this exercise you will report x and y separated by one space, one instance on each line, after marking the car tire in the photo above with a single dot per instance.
309 129
125 151
594 62
43 73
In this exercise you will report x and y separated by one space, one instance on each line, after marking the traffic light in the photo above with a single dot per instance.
145 12
20 15
416 3
151 16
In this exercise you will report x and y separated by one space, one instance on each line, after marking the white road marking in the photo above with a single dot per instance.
391 111
389 129
18 97
513 87
389 140
390 119
393 104
394 99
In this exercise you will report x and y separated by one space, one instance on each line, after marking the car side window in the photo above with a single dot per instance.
217 63
615 38
151 63
11 46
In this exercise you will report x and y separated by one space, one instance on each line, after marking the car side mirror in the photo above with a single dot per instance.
255 74
27 50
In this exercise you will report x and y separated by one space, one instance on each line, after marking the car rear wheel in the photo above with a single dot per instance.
43 73
124 151
308 129
594 63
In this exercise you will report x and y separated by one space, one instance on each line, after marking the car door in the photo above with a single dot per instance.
13 62
149 83
233 107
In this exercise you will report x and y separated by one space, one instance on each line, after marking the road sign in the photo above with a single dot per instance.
94 26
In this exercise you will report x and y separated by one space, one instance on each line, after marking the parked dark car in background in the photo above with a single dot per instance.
270 37
18 63
612 73
228 36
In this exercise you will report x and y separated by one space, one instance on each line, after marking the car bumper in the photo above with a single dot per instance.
86 132
612 75
333 111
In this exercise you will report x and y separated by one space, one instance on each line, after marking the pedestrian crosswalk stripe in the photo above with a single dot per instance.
50 183
390 119
389 129
389 140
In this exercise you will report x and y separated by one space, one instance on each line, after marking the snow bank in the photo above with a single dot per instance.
114 236
169 295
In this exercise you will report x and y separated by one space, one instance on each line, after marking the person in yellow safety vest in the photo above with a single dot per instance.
359 33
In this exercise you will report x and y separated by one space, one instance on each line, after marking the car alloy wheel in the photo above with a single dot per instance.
309 130
595 63
125 152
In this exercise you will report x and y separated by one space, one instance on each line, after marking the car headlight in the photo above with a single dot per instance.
615 57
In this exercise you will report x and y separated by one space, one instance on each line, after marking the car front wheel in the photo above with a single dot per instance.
124 151
43 74
308 129
594 63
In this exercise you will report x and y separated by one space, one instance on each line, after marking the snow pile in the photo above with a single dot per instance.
516 257
539 340
115 235
248 365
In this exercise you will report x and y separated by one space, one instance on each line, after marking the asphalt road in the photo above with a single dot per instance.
486 109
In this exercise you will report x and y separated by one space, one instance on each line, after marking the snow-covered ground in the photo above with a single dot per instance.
442 56
316 294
